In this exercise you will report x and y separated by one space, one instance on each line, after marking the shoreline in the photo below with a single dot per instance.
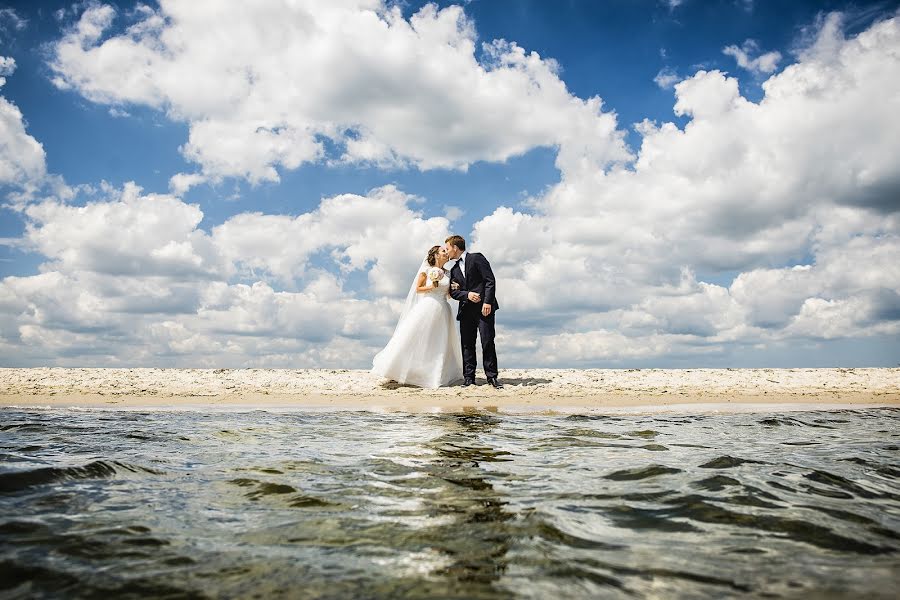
526 390
678 409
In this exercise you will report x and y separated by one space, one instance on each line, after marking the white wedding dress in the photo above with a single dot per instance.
425 348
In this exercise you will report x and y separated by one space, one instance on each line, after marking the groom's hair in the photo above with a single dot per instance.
456 240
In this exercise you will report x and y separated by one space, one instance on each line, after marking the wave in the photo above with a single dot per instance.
20 480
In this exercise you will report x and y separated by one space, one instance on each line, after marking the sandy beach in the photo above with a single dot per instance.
525 389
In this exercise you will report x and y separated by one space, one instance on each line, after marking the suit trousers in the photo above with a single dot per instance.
472 323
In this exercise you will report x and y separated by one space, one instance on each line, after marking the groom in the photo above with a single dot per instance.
472 283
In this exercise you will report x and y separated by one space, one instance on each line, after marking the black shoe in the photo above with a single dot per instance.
469 382
495 382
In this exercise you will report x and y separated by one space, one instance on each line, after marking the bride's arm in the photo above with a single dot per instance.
421 285
456 293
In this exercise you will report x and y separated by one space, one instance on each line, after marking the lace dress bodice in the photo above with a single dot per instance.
441 290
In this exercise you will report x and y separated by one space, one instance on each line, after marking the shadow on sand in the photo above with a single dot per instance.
508 382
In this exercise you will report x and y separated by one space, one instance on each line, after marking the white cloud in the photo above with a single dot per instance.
380 230
133 235
754 225
833 319
22 160
666 78
7 66
118 113
452 213
397 92
55 318
180 183
764 63
131 279
810 171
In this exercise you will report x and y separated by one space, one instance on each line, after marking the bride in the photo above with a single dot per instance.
425 348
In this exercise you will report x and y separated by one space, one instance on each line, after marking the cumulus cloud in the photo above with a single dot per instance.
130 278
379 232
754 225
7 65
180 183
135 235
764 63
796 194
22 159
385 90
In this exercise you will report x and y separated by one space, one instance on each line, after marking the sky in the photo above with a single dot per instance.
656 183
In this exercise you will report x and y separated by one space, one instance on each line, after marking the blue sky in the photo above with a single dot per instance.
93 128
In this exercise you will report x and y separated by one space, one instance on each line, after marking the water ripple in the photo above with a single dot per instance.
470 505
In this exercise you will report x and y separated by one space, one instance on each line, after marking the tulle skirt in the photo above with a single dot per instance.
425 348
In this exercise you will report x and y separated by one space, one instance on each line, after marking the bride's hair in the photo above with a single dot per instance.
432 255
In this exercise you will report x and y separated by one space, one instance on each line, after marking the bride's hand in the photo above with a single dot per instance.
454 286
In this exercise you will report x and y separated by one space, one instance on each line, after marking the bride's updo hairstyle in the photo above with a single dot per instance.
432 255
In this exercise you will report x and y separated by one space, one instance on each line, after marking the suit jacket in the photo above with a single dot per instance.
478 278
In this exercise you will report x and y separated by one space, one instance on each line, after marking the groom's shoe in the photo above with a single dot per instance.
495 382
469 382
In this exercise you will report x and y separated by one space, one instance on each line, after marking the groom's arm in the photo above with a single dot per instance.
458 294
490 284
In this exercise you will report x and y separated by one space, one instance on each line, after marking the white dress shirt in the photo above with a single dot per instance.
462 263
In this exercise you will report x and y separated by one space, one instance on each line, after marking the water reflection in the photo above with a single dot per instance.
477 539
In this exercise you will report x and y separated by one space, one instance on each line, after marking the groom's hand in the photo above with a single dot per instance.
474 297
486 309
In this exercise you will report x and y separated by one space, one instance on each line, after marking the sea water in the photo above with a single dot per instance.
344 504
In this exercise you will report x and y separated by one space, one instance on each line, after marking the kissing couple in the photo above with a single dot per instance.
426 349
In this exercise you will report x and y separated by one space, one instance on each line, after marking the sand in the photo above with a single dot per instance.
530 390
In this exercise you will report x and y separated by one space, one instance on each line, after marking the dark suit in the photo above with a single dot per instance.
478 278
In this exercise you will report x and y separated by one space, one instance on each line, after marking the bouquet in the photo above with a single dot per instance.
435 275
